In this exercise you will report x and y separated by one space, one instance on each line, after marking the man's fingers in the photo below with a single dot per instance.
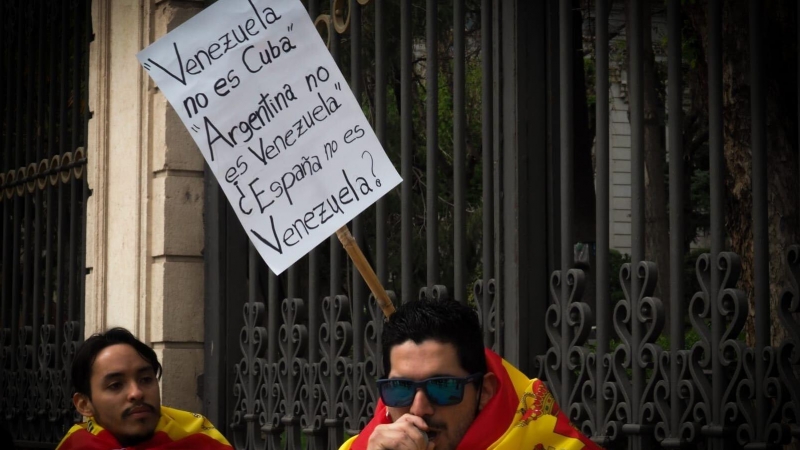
400 435
417 421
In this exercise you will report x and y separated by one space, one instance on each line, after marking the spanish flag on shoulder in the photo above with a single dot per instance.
176 430
522 415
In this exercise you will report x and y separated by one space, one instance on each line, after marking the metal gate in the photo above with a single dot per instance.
44 112
485 215
291 361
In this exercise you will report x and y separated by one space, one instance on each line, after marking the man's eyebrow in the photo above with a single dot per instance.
112 375
144 369
436 375
141 370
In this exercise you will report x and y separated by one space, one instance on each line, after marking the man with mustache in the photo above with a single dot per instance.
116 388
443 390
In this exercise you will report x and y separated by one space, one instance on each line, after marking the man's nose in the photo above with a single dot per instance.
421 406
135 392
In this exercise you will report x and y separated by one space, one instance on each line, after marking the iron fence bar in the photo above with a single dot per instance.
357 88
62 149
15 290
312 430
5 110
293 280
333 421
48 330
314 311
487 150
381 208
636 88
406 155
73 188
84 194
37 252
603 304
459 153
335 245
25 296
566 157
716 165
676 213
273 326
432 141
60 278
51 150
234 265
250 356
496 282
761 291
27 267
359 291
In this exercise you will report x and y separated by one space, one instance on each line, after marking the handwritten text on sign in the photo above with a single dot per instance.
274 119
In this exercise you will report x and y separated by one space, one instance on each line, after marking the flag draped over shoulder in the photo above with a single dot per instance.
522 415
176 430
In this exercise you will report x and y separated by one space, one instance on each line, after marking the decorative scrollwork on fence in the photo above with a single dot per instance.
700 354
336 339
292 340
580 319
733 307
568 349
650 314
618 389
788 356
247 384
367 371
59 168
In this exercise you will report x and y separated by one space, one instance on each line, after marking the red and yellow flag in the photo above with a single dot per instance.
522 415
176 430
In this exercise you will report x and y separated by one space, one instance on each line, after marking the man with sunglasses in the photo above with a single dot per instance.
443 390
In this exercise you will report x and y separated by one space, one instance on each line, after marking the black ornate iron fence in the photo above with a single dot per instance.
43 111
489 163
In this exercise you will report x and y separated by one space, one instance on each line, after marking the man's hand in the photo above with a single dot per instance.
408 433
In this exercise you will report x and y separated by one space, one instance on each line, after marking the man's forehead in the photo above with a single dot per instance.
119 359
429 357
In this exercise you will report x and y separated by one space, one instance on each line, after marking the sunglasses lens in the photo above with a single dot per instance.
445 391
397 393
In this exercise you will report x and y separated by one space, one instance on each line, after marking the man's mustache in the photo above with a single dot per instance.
128 411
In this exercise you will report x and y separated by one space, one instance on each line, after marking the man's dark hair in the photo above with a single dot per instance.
88 351
445 321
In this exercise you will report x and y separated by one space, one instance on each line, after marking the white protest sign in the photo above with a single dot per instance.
275 120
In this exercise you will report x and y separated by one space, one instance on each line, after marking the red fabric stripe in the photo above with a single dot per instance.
83 440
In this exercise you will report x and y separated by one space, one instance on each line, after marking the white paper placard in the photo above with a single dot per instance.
275 120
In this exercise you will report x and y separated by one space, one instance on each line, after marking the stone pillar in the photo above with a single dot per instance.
145 215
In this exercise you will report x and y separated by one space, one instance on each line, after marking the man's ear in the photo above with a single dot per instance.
488 389
83 404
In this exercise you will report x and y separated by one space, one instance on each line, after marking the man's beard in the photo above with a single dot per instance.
130 441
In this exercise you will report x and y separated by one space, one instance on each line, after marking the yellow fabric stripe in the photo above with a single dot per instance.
180 424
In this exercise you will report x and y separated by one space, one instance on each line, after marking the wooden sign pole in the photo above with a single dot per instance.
365 269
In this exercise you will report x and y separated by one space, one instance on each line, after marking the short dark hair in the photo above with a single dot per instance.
445 321
88 351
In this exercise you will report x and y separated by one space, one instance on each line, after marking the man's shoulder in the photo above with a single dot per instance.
181 425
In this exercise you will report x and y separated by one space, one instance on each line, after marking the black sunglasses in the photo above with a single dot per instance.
441 391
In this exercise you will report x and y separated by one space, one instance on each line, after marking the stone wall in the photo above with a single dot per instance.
145 216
